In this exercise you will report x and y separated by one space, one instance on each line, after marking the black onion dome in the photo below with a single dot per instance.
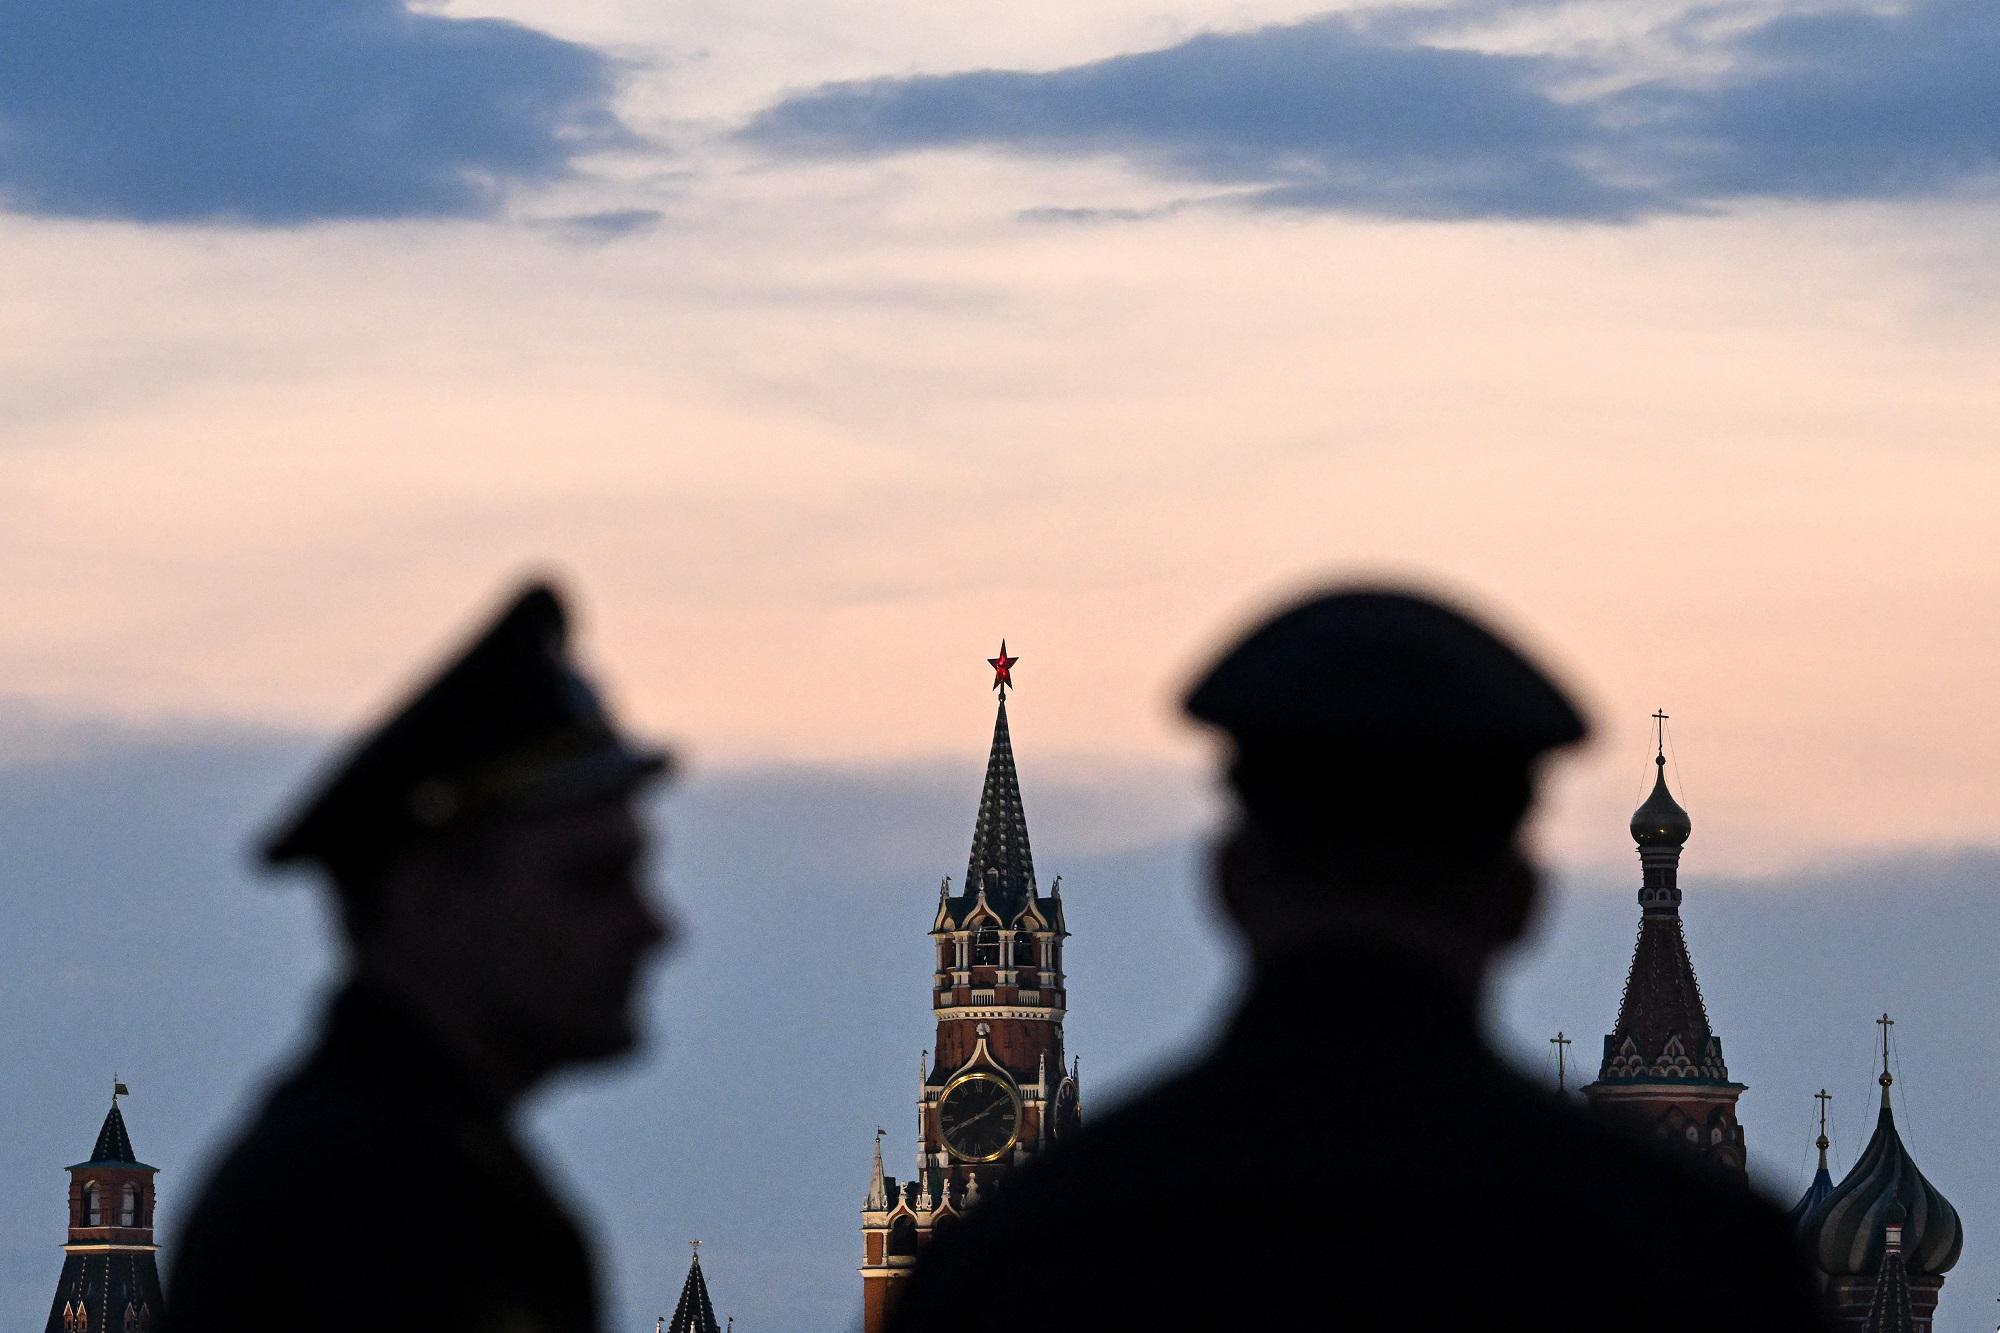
1844 1232
1661 822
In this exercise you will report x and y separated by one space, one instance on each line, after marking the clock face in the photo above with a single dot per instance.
979 1116
1066 1119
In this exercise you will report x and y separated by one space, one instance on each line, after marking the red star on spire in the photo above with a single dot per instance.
1003 669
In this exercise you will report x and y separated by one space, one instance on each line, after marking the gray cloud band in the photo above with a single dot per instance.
1334 114
266 113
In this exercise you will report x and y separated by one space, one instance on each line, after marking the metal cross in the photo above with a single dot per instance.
1822 1143
1561 1043
1885 1023
1660 723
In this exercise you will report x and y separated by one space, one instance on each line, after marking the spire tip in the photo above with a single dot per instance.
1003 671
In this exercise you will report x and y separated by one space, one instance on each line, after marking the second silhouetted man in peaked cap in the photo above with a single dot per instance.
1351 1154
488 865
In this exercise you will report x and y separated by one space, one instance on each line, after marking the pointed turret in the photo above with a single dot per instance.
1662 1072
110 1279
878 1184
114 1142
693 1313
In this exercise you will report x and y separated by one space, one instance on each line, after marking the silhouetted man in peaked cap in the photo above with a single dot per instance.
488 864
1350 1153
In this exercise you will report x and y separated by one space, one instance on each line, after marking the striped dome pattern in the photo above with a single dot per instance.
1845 1230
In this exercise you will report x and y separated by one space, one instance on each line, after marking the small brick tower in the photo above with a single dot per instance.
110 1278
998 1091
1662 1073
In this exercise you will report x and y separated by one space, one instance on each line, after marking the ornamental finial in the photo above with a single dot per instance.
1660 736
1822 1142
1003 671
1885 1023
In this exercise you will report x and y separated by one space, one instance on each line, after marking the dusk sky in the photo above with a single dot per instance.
818 347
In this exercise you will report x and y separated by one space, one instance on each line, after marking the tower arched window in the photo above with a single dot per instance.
1024 950
93 1205
986 948
903 1236
128 1206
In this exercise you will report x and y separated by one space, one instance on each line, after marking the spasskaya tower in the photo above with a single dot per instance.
997 1091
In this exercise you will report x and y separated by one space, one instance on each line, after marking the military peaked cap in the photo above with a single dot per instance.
509 726
1383 669
1373 715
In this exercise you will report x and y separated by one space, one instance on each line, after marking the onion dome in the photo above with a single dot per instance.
1822 1182
1661 822
1847 1231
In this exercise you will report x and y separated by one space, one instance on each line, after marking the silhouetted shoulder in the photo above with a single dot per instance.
368 1192
1242 1190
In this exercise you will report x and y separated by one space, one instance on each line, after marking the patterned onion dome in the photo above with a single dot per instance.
1661 822
1844 1231
1801 1214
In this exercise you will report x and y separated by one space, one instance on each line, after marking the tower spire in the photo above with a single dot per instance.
693 1313
1663 1068
1001 863
878 1185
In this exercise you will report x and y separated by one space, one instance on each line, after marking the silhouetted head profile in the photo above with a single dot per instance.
487 858
1385 746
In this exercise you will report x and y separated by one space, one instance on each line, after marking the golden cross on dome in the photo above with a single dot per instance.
1822 1097
1885 1023
1660 727
1003 670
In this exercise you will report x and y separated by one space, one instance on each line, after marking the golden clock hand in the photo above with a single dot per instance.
966 1124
